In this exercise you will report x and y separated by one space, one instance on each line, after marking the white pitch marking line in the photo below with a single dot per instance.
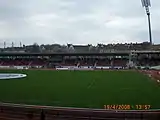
91 84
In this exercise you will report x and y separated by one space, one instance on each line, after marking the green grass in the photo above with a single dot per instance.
84 89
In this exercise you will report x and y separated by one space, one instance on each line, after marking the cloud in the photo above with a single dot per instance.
76 21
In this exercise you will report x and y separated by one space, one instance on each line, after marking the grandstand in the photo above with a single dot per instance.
99 62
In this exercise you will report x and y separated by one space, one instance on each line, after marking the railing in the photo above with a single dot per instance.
31 112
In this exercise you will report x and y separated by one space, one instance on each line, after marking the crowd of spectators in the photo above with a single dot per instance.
141 60
67 62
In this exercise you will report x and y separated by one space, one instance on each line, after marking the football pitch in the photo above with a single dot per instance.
81 89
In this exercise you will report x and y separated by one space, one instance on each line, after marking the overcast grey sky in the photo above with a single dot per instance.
76 21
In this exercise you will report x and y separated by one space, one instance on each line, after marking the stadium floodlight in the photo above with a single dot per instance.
147 4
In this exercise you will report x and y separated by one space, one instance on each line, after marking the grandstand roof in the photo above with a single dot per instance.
64 54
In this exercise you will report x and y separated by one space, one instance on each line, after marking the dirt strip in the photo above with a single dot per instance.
154 74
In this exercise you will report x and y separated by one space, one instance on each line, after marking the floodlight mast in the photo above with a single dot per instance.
147 4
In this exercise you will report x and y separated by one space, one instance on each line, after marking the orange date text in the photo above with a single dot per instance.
117 107
127 107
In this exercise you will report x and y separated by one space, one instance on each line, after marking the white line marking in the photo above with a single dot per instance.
91 84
